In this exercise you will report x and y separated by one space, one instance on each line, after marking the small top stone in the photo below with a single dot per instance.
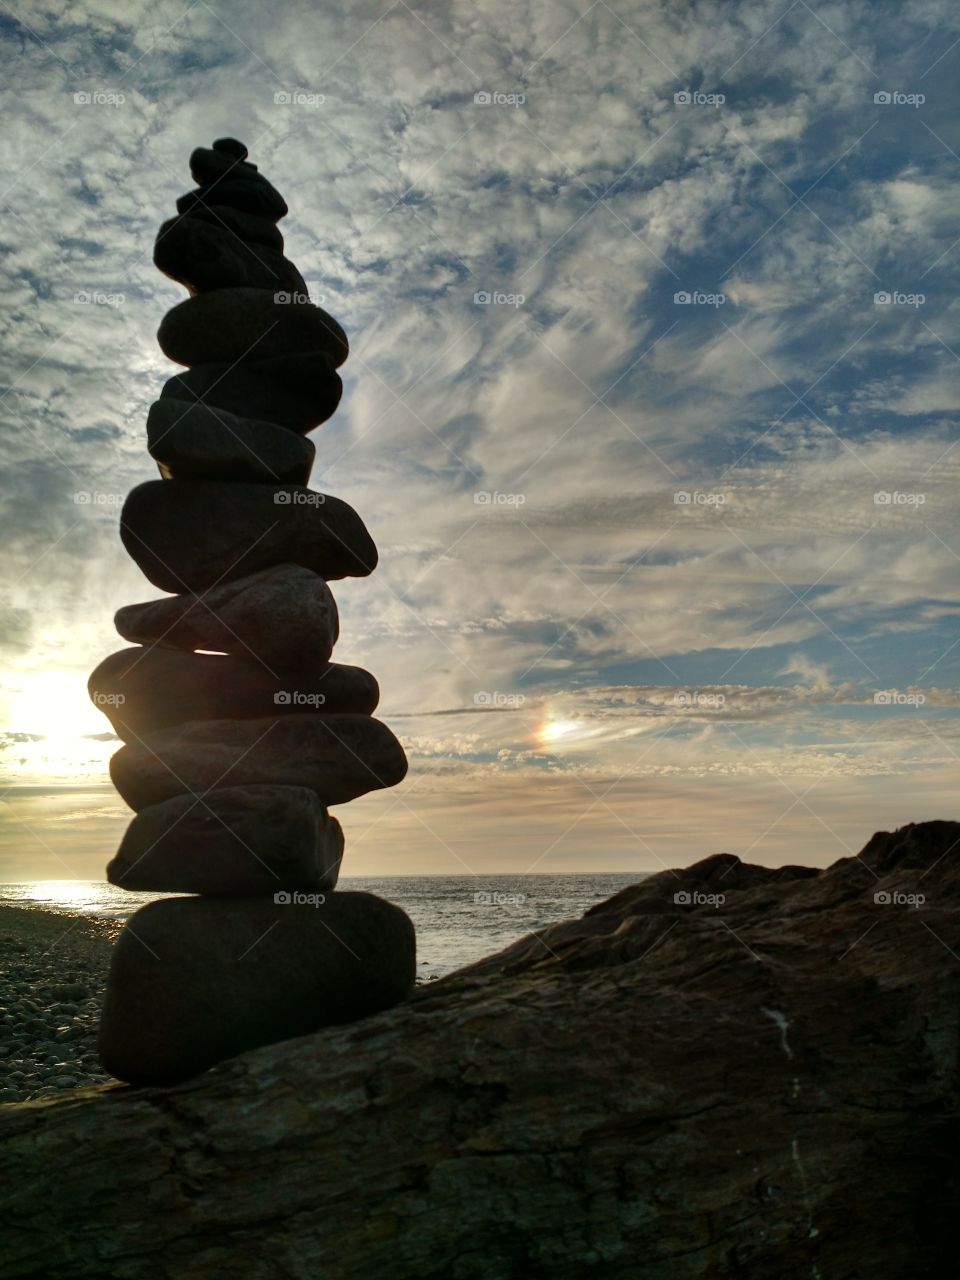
232 147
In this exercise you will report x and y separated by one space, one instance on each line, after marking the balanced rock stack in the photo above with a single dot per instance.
239 731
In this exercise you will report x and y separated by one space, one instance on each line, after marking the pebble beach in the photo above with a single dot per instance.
53 971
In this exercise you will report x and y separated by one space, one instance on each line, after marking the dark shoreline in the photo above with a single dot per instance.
53 971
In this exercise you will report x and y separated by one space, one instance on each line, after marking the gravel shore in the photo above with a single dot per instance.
53 970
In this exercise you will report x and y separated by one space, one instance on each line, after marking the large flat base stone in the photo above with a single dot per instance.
196 980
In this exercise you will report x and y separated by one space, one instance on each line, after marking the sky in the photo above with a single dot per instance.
650 407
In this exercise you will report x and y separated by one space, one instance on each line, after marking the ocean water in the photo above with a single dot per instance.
459 919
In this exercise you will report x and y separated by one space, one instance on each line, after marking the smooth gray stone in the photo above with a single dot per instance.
286 615
296 391
192 441
196 980
234 840
143 689
203 255
246 226
241 324
338 756
187 535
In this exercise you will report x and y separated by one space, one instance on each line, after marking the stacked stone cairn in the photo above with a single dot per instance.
239 731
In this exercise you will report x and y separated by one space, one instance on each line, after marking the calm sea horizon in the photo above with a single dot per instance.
459 919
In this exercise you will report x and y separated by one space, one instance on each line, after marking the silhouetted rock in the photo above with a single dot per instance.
256 197
191 441
234 756
187 535
221 975
248 324
285 615
232 147
246 227
210 164
139 690
235 840
204 255
296 391
338 756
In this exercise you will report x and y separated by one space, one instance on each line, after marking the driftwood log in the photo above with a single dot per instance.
759 1081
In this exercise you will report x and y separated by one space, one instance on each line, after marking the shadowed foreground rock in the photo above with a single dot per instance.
219 975
666 1089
